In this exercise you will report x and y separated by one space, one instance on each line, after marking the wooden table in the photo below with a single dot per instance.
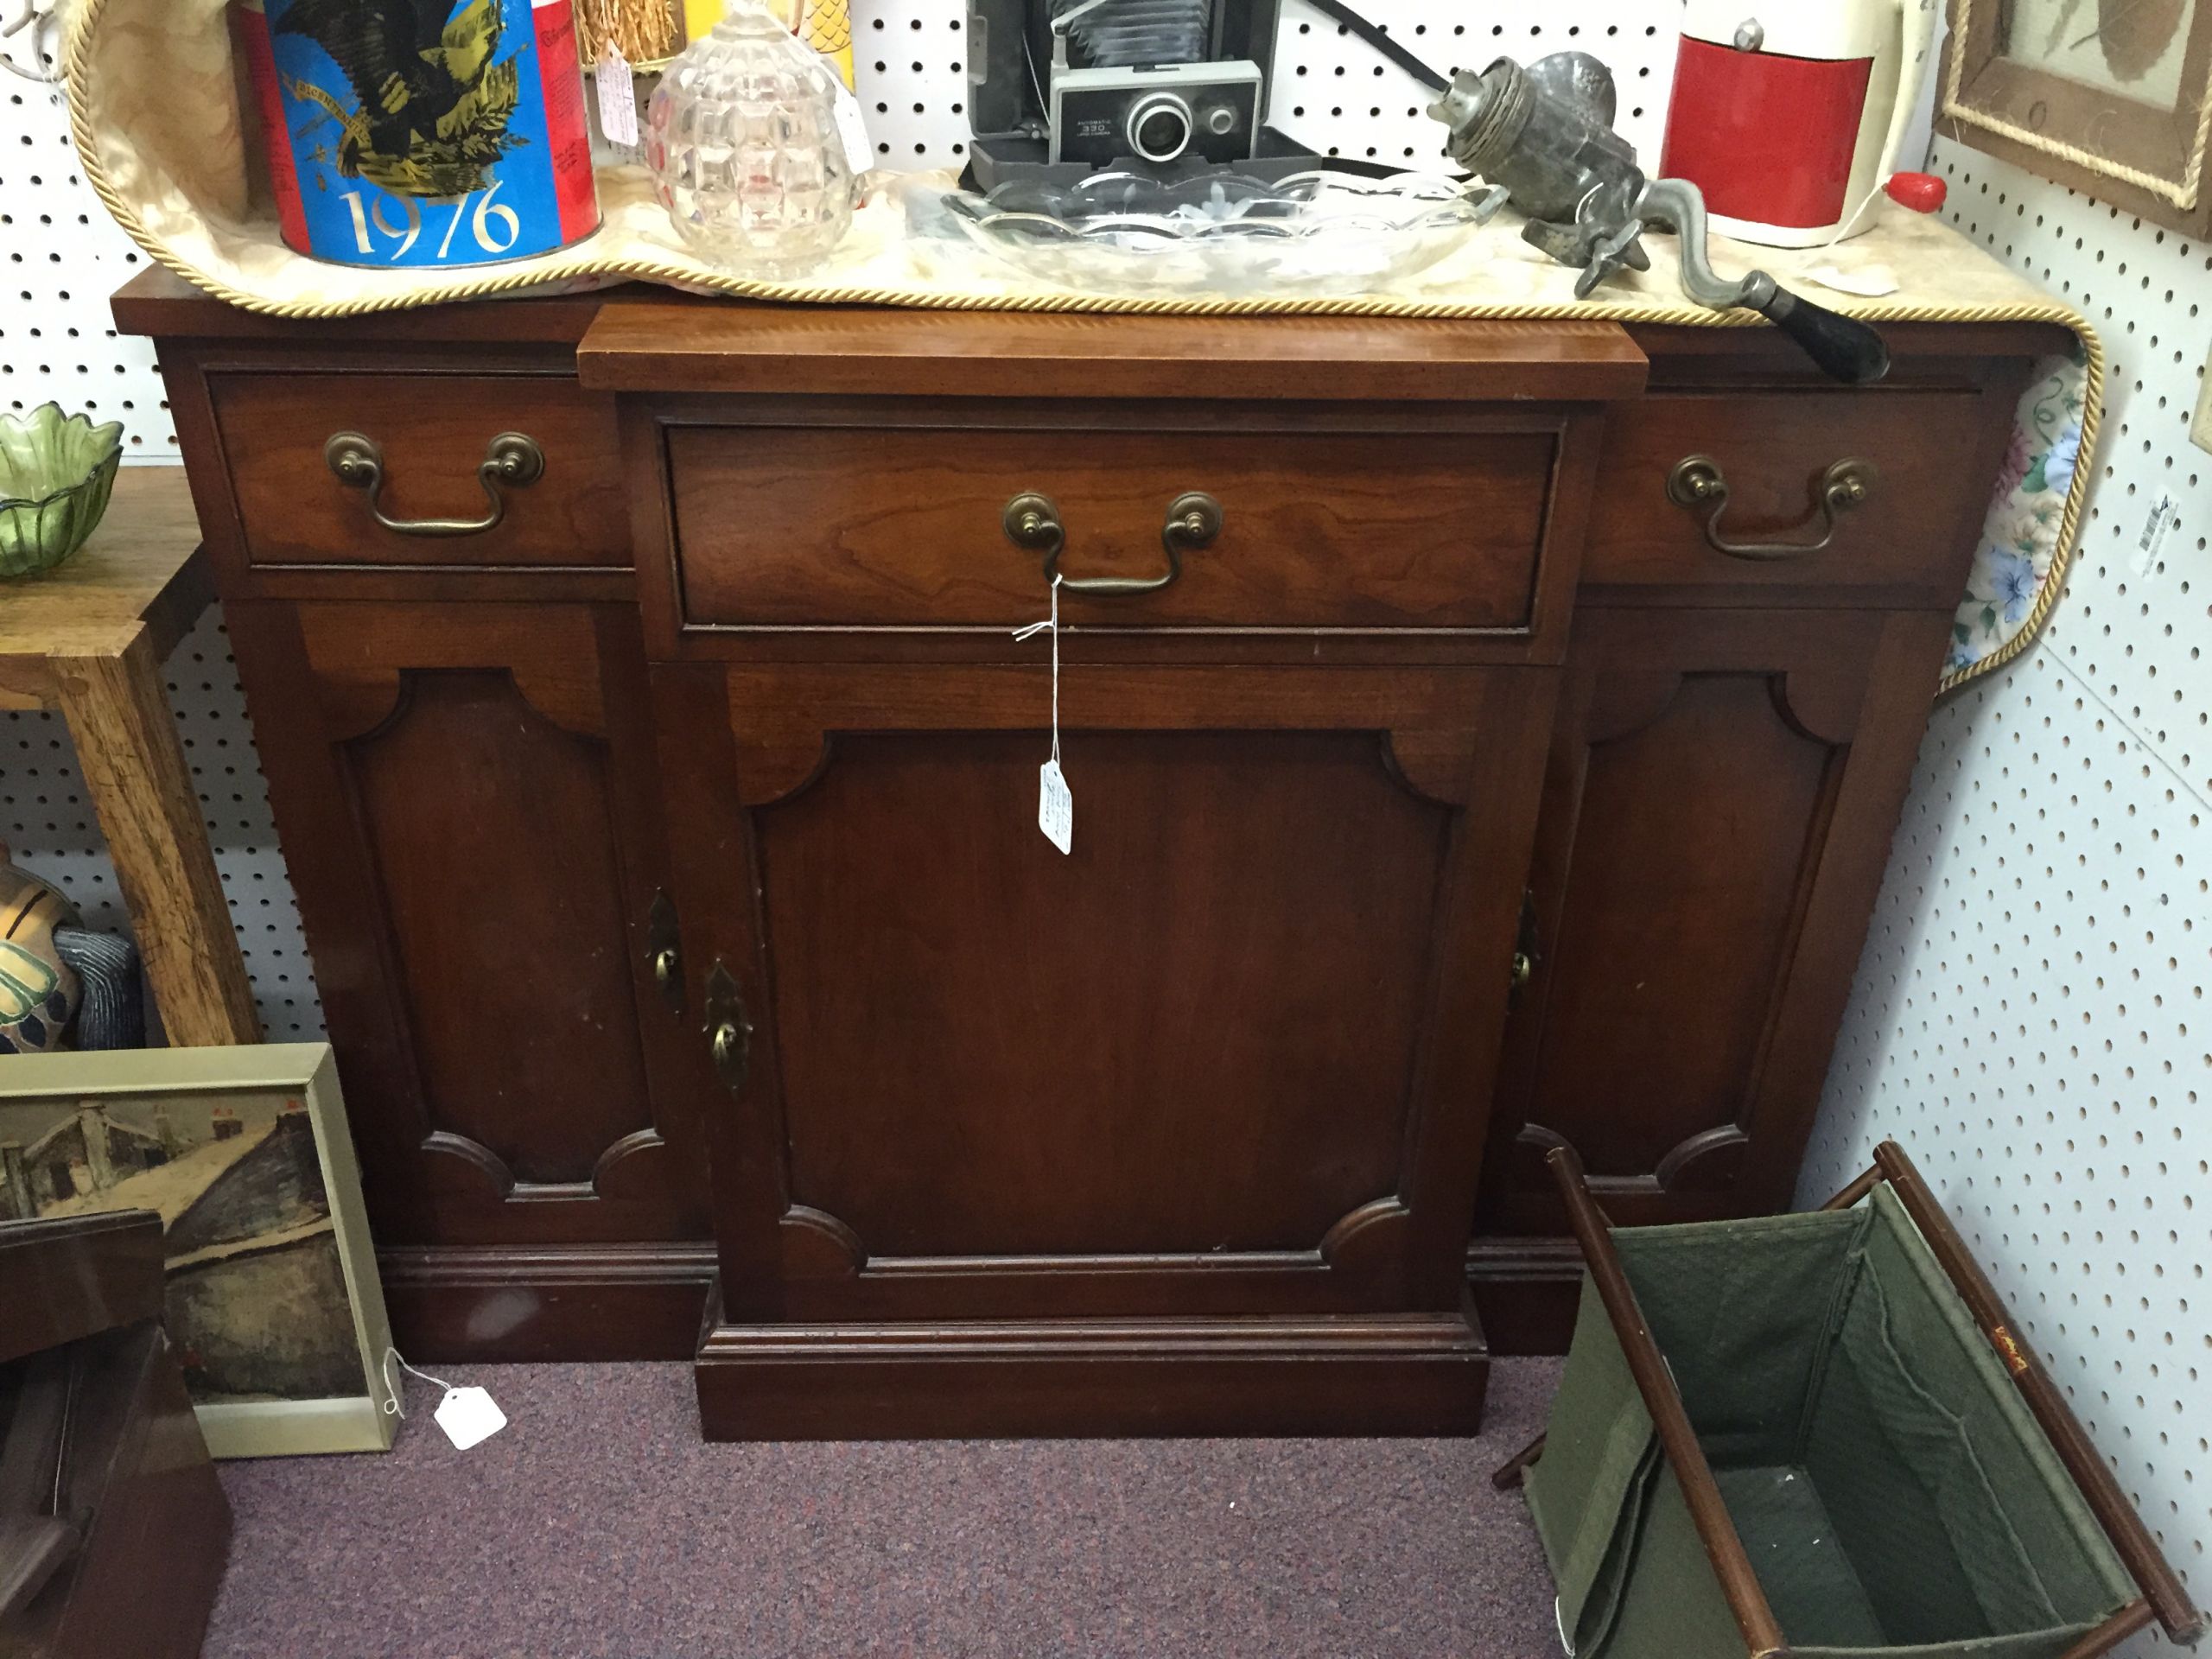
90 639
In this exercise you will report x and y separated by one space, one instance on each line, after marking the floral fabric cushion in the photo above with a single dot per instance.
2019 569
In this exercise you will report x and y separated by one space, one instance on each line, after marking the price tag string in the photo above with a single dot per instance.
1050 625
1055 802
394 1405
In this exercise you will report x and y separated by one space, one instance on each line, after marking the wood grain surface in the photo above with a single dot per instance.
434 430
690 346
895 528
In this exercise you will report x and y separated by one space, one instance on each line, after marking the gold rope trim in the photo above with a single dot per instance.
2182 193
575 271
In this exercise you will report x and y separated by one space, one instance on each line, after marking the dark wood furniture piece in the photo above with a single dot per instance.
113 1527
684 820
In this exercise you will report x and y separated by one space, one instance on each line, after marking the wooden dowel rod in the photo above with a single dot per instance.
1708 1511
2136 1616
1868 1180
2160 1587
1510 1471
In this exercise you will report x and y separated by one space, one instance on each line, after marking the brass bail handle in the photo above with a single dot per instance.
1032 522
1699 482
513 459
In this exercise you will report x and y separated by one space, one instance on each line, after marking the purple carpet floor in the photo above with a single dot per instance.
598 1526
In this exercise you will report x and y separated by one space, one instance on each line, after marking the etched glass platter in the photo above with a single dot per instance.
1320 232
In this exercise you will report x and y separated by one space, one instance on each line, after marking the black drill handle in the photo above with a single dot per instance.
1843 348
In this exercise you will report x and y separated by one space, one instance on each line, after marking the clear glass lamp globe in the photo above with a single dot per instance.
743 143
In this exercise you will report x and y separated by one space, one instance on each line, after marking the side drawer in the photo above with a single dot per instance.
433 435
1907 542
900 527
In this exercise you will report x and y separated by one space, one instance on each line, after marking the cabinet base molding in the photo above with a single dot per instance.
1415 1374
1527 1290
500 1304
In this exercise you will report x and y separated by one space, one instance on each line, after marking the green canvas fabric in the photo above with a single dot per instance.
1587 1493
1671 1603
1891 1489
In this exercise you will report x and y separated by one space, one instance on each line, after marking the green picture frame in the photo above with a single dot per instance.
273 1302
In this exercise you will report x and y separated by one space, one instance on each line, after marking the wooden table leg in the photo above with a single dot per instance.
133 765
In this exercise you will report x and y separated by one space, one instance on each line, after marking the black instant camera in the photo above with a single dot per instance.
1062 88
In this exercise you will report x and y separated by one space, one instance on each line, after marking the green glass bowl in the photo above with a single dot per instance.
56 472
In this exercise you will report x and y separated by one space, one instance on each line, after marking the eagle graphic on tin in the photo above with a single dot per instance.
414 132
433 105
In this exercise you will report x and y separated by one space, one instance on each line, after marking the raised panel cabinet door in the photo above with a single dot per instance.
1717 813
1230 1054
466 798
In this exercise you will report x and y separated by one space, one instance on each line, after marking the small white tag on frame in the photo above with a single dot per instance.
852 127
469 1417
1055 807
618 99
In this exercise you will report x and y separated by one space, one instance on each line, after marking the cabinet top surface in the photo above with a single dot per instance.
707 347
640 337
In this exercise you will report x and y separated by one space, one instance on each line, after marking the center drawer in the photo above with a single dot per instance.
889 527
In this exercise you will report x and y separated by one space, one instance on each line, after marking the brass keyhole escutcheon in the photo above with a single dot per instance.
664 951
729 1033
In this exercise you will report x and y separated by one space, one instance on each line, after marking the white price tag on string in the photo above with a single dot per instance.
469 1416
618 97
1055 801
1055 807
852 127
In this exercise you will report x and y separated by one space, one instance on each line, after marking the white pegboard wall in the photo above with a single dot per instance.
65 257
2030 1015
1332 91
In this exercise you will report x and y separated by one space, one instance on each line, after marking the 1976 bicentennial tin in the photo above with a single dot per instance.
416 133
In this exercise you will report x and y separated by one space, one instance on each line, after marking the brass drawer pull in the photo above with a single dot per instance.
511 458
1698 482
1032 522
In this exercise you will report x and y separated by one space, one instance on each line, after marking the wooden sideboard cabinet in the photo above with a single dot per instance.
661 795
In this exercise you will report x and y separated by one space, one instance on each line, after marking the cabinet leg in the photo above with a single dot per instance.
134 768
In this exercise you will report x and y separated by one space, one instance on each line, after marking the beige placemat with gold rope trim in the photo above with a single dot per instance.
155 115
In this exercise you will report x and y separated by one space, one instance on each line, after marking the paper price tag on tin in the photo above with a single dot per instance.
1055 801
618 97
852 128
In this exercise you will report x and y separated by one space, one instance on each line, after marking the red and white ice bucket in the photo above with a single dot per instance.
1788 114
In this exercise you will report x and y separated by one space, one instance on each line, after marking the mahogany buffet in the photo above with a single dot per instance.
635 683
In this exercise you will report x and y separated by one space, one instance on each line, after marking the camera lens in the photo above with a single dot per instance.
1159 127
